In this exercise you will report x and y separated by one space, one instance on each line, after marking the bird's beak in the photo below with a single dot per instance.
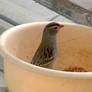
61 26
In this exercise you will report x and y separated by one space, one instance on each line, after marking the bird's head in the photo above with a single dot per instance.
53 28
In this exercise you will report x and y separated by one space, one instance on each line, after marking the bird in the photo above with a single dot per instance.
47 52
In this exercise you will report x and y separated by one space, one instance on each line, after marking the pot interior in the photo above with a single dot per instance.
74 43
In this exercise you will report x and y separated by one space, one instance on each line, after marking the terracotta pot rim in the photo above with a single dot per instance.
40 70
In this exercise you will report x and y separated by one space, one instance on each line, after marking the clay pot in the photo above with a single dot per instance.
18 45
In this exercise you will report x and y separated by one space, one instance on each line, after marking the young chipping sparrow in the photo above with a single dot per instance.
46 53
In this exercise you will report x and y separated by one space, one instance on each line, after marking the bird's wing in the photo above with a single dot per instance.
43 56
46 56
36 57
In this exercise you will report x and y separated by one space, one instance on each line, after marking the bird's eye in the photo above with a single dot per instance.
55 28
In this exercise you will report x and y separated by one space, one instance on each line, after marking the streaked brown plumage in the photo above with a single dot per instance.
47 51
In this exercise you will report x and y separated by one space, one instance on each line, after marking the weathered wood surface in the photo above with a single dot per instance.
3 86
22 11
69 9
4 25
87 4
62 19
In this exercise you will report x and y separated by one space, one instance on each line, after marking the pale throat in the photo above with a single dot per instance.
48 38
